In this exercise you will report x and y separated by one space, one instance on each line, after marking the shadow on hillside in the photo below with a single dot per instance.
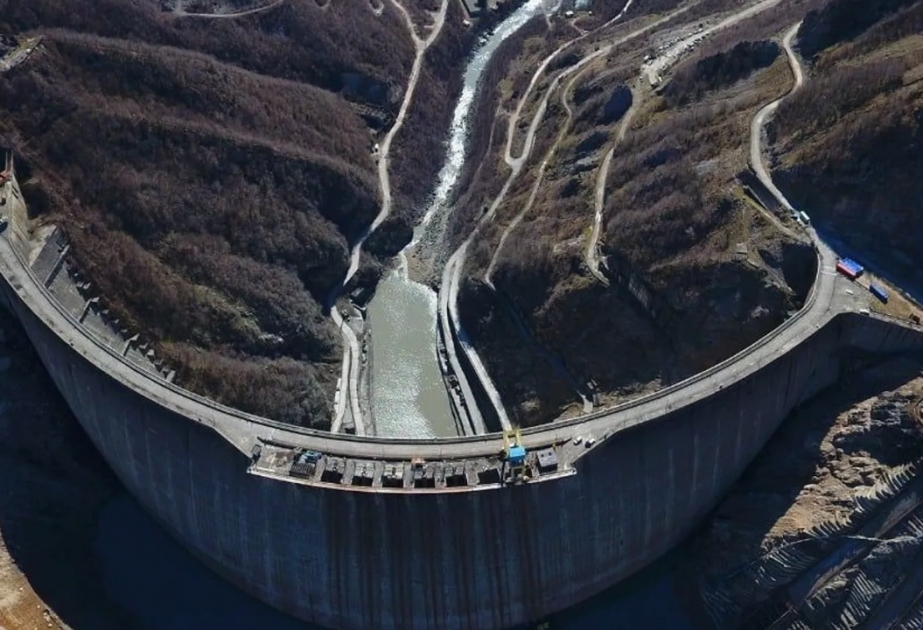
731 536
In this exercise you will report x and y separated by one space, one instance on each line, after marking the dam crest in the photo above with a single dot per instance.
359 532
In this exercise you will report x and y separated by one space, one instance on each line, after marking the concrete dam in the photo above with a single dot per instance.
367 533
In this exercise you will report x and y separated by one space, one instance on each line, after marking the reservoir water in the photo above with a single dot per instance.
408 395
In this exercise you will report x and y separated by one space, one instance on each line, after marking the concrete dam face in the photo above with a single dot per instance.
360 541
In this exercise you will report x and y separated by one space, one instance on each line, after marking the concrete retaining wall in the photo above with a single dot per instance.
488 558
880 335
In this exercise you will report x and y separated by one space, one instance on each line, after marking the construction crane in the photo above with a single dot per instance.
514 454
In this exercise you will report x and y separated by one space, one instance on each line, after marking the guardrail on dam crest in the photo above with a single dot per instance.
370 545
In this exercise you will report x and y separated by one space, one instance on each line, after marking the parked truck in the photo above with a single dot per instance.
879 291
849 268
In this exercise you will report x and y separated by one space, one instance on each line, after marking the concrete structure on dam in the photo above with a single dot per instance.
369 533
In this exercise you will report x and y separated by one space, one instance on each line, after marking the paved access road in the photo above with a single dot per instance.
602 176
244 430
759 121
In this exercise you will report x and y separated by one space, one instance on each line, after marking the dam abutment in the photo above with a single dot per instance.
395 548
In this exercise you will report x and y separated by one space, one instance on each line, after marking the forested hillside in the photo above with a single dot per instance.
211 175
850 144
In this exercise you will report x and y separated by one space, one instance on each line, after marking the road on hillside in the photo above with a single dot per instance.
448 294
181 12
349 377
756 127
656 67
599 199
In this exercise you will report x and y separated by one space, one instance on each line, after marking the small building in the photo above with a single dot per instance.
516 455
473 7
547 460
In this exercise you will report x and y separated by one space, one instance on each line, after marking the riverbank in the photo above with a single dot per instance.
472 134
411 391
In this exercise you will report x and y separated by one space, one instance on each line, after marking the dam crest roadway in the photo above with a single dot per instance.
302 518
245 431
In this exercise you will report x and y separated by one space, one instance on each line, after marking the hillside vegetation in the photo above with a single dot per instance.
694 270
211 175
850 144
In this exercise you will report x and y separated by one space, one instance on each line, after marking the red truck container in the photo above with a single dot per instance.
846 270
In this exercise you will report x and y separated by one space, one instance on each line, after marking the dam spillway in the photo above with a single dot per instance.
397 534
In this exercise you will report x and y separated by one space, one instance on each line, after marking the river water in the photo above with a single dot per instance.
408 395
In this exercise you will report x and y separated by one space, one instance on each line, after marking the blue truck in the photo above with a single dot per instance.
879 291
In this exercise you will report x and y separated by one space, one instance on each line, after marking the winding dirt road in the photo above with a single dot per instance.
448 294
599 198
349 376
180 12
449 320
384 160
756 127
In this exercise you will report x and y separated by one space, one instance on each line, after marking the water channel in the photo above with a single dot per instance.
408 395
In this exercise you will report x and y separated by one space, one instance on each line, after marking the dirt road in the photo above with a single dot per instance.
350 371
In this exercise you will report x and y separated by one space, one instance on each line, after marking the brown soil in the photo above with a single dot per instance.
842 445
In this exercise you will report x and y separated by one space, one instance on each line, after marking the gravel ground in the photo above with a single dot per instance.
830 468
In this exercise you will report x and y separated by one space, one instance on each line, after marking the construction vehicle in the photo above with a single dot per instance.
514 455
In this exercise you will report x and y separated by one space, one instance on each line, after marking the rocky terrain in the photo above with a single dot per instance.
212 174
858 129
686 269
839 480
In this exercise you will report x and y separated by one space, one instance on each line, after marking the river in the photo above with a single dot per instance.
407 391
409 397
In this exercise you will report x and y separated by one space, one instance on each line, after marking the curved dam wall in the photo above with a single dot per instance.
486 558
461 558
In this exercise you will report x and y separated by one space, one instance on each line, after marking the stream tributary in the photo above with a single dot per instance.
407 392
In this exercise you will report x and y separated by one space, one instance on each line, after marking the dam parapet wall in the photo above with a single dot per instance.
474 553
876 333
